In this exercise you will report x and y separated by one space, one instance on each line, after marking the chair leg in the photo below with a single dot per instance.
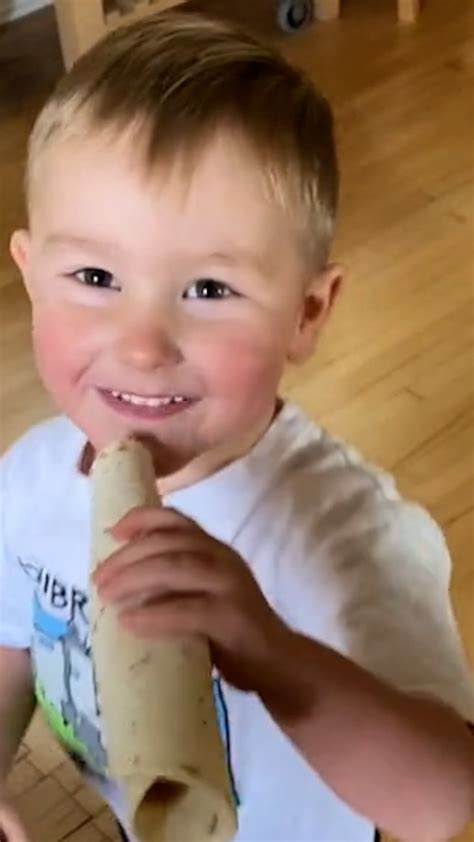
327 9
408 10
80 24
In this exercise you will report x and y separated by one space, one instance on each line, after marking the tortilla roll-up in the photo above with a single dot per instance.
155 696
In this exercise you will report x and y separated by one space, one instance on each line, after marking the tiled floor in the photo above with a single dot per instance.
49 791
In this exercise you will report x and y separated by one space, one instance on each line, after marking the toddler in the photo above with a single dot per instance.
182 186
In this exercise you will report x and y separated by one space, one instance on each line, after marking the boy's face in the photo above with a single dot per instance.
161 305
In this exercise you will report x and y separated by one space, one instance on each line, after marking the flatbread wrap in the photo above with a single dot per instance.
155 696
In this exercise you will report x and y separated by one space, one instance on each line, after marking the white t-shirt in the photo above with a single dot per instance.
335 551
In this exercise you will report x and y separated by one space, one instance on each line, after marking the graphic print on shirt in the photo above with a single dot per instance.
63 669
64 672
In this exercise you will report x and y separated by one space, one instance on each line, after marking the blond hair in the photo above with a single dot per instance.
177 78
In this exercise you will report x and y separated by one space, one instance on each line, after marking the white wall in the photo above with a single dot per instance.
11 9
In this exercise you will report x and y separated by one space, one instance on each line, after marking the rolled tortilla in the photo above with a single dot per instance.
155 696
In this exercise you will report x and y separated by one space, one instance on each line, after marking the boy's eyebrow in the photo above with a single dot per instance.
81 242
239 255
231 255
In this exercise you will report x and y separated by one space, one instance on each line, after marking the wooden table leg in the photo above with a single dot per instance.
80 23
327 9
408 10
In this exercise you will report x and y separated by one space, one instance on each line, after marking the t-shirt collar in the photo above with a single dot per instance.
227 498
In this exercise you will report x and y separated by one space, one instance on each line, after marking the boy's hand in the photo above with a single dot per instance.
11 826
173 578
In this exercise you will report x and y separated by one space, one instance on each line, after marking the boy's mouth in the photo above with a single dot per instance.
144 406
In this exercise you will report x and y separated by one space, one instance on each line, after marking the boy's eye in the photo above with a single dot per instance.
208 288
94 277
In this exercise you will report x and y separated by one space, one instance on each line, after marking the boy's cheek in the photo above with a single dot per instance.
248 363
63 340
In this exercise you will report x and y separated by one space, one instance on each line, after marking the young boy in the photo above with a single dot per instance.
182 186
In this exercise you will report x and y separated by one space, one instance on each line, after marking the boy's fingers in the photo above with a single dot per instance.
153 577
193 615
157 545
148 519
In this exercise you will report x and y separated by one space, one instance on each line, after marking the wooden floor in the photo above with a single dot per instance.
395 372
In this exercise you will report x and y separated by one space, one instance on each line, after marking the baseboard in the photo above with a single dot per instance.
12 9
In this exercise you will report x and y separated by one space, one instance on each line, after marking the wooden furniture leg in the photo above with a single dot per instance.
81 23
79 26
327 9
408 10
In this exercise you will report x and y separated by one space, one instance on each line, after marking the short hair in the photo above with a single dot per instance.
178 78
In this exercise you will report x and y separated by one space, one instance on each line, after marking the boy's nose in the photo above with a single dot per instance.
146 346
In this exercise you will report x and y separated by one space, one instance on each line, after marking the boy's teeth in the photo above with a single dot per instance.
141 401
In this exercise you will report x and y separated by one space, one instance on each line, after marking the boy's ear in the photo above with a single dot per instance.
20 249
319 299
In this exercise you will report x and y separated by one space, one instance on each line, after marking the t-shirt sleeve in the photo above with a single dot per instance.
377 588
15 586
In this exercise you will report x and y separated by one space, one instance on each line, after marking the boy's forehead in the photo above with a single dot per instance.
224 160
100 188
